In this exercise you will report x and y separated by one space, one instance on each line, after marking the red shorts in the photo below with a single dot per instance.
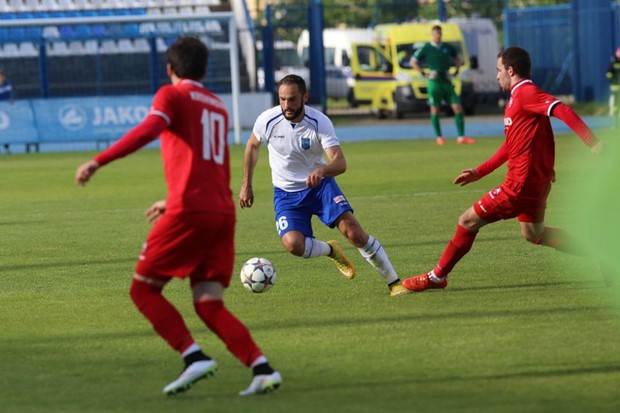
196 245
511 200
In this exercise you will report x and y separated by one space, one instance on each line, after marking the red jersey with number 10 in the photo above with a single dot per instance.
529 136
194 148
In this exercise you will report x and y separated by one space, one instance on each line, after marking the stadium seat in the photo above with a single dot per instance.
76 48
83 5
161 45
10 50
146 28
66 5
154 3
131 29
164 27
17 6
17 33
169 11
111 4
83 31
67 32
125 46
32 5
202 9
108 47
57 49
99 30
91 47
51 32
141 45
50 5
28 49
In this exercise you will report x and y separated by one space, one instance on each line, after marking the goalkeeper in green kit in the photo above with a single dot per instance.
438 58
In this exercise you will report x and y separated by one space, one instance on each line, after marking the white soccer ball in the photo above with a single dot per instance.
258 275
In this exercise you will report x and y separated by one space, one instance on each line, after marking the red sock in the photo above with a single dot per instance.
559 239
162 315
456 249
229 329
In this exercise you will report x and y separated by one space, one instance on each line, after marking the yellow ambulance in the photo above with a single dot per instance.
384 78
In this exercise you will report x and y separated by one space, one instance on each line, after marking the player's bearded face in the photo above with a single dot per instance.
291 102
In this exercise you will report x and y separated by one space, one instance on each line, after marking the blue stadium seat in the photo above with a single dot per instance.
131 29
67 32
99 30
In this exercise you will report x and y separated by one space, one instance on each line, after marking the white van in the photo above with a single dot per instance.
286 62
483 45
337 59
336 43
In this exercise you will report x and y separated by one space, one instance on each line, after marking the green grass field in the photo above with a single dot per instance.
519 329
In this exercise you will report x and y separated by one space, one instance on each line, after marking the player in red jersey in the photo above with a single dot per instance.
193 235
529 150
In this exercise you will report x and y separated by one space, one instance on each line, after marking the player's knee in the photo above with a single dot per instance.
466 222
140 292
209 310
294 247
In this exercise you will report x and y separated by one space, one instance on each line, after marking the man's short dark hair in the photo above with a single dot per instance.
294 80
519 59
188 58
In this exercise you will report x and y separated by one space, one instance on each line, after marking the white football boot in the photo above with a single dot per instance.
196 371
263 383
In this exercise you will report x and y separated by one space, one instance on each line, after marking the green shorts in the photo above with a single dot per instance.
442 92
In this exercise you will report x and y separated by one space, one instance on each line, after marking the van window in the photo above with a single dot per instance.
371 60
345 59
286 57
330 56
282 58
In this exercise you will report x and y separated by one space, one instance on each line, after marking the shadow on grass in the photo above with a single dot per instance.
531 374
443 241
66 264
536 286
429 316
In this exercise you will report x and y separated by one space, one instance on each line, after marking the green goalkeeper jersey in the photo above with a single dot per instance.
438 58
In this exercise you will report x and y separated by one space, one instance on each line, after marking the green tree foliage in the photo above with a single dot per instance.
291 16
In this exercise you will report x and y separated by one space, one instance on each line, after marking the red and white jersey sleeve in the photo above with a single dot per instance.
194 148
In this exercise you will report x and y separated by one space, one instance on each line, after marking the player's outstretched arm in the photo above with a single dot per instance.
85 172
567 115
155 211
467 176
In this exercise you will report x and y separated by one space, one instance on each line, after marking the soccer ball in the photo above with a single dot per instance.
258 275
